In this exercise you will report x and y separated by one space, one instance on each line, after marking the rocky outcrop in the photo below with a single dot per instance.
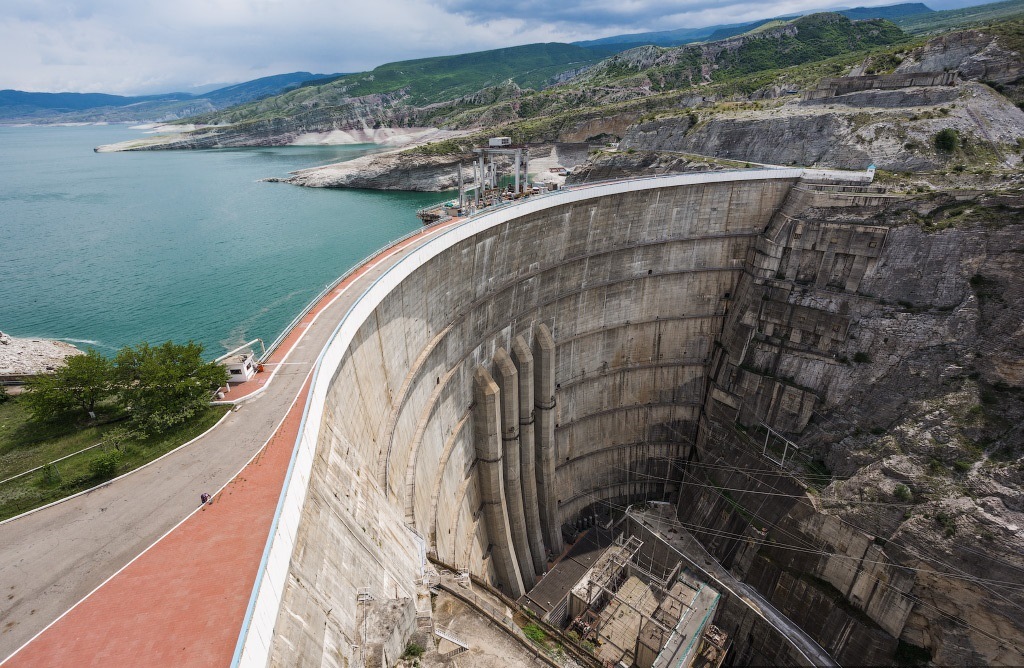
893 129
422 172
21 358
389 171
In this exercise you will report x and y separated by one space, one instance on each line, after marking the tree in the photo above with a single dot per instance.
73 390
165 385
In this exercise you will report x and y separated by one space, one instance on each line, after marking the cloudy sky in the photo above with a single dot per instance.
141 46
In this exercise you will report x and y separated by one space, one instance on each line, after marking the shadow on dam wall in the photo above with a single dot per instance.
652 296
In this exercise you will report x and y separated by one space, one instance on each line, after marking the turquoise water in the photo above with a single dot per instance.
111 249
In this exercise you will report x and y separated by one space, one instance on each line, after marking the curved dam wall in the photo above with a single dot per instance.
616 295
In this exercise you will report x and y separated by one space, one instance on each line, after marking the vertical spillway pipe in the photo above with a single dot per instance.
508 380
544 434
487 440
523 359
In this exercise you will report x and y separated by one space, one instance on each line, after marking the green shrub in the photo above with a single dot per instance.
535 633
903 493
104 466
948 523
947 140
50 476
861 358
413 651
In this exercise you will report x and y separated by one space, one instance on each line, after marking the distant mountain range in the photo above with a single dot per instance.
25 107
417 83
718 32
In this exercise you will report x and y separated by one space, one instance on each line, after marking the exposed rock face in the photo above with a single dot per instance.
598 128
646 163
978 56
894 99
894 129
883 338
801 140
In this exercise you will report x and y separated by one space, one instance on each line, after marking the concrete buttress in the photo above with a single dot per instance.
508 381
487 440
544 434
523 358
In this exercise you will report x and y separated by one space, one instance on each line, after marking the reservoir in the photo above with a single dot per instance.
113 249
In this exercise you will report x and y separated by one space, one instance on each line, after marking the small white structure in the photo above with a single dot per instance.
241 363
242 367
499 142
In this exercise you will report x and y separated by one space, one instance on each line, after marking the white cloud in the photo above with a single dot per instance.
133 46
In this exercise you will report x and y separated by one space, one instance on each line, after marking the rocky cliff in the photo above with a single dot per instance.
859 458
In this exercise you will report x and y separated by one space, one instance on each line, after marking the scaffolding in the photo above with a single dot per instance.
485 182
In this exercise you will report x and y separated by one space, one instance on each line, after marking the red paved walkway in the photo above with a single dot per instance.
183 601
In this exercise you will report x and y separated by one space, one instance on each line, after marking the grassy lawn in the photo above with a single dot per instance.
25 445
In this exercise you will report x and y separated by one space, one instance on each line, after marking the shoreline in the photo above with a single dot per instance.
21 358
178 137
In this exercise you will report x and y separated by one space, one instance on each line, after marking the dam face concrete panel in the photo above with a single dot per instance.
634 289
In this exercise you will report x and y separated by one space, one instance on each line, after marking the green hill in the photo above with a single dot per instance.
16 105
713 33
959 18
426 81
443 78
817 37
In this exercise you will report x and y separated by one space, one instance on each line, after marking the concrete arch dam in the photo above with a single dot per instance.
499 382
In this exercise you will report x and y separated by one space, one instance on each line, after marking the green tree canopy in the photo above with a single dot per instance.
165 385
73 390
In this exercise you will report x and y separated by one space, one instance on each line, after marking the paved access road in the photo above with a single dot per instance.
51 559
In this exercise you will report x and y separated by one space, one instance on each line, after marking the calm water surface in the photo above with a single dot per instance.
112 249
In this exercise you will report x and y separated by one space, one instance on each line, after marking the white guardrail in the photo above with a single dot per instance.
256 637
